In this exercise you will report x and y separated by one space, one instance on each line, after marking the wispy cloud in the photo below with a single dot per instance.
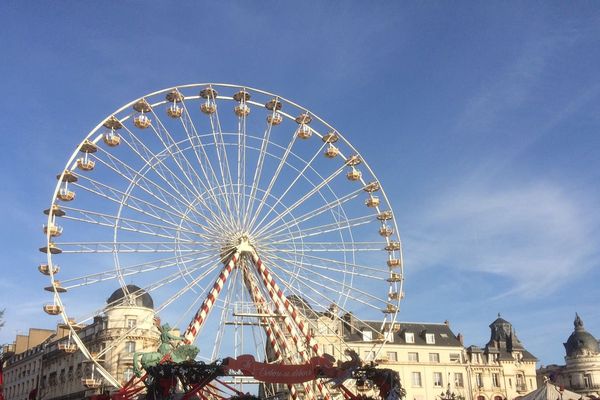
537 235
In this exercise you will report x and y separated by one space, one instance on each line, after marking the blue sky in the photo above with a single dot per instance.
480 119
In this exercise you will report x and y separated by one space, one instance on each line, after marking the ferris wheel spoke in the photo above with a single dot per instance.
241 166
179 157
131 225
137 204
338 202
140 268
311 269
160 168
321 229
149 288
131 175
318 289
176 194
141 180
129 247
329 246
342 263
303 199
267 192
258 169
368 273
185 199
214 264
222 158
109 220
299 175
211 178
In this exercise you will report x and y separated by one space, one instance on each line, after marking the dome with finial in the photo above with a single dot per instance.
581 342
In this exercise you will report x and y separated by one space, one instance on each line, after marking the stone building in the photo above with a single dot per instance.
581 372
503 369
57 370
22 370
431 359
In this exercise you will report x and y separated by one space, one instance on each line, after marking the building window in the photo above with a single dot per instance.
437 379
392 356
458 380
498 398
509 382
416 379
521 385
496 380
128 374
413 356
481 397
434 357
409 337
454 357
479 379
389 336
369 355
131 322
130 347
429 338
367 335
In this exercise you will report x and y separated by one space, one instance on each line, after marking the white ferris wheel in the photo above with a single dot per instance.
235 209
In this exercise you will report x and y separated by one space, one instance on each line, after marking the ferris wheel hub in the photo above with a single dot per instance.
245 245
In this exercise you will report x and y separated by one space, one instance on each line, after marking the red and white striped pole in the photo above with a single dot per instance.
285 307
275 335
200 317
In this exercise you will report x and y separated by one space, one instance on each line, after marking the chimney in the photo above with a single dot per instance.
461 339
349 322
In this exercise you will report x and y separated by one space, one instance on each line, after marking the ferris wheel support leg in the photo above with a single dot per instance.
274 334
287 309
196 324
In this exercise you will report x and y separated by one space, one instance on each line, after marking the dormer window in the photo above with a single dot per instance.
429 338
367 335
389 336
409 337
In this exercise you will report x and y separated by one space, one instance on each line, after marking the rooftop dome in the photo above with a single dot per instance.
136 297
581 342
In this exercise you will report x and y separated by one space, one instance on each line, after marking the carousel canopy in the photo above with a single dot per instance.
549 391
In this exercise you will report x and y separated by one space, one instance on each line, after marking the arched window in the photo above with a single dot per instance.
481 397
498 398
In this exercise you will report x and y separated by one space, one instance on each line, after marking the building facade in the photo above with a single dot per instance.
503 368
431 359
55 369
22 370
581 372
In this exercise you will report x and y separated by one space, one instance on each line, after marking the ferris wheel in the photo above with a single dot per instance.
246 217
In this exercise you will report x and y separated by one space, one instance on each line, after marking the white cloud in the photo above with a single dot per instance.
536 235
